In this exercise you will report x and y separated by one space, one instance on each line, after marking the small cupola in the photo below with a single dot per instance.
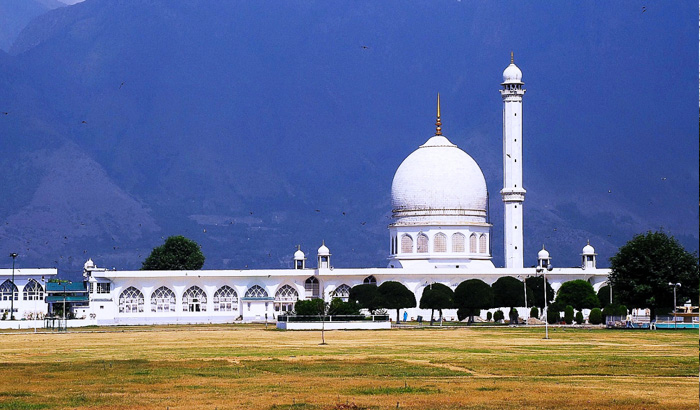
588 257
543 259
299 259
324 257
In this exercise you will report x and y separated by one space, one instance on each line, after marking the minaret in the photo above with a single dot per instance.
513 193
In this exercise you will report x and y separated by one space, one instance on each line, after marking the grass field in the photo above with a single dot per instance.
248 367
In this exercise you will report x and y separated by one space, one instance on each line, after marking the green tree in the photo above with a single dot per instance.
604 296
177 253
473 295
338 307
579 317
310 307
643 268
577 293
534 288
394 295
367 296
509 292
436 296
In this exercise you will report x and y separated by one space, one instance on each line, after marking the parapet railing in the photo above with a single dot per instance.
332 318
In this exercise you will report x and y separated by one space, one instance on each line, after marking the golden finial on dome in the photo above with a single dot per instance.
511 58
438 130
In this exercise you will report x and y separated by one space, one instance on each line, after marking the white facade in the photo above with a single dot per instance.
439 234
27 296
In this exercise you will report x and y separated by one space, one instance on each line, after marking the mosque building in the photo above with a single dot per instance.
440 233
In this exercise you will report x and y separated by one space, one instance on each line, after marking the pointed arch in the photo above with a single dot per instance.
472 243
422 243
458 242
285 298
131 300
256 291
225 299
312 288
194 300
163 300
370 280
342 292
406 243
33 291
483 244
440 242
8 291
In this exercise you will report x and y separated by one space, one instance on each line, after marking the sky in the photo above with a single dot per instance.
332 97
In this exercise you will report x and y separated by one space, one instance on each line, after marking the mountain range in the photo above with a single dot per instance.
254 127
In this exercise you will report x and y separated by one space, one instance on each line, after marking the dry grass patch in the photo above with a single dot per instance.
225 367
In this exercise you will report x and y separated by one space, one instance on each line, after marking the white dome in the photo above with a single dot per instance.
543 254
323 250
299 254
512 75
439 183
588 250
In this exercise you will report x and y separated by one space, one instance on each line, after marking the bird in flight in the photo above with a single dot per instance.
365 47
121 85
84 122
644 9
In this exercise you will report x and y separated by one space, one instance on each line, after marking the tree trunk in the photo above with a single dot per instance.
432 313
398 318
440 310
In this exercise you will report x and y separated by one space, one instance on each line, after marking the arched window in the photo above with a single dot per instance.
472 243
256 291
422 243
440 242
225 299
162 300
194 300
406 243
342 292
33 291
285 298
311 288
131 301
8 291
483 244
370 280
458 242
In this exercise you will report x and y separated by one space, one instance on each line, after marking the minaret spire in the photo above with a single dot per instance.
511 58
438 129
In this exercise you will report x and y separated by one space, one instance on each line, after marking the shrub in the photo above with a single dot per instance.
498 315
513 316
579 318
595 317
488 316
553 317
309 307
615 310
338 307
534 312
464 313
569 314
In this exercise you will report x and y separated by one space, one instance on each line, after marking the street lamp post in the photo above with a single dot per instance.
546 305
675 285
13 255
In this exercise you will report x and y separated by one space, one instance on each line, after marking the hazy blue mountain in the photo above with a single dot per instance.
15 14
252 127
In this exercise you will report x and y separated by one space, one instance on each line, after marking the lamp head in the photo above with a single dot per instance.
13 255
550 267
